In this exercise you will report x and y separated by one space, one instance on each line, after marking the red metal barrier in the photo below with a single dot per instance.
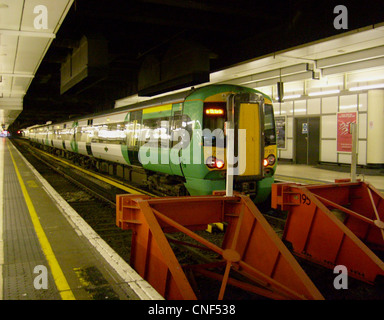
250 247
335 224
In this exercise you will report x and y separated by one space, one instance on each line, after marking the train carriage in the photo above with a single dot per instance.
176 144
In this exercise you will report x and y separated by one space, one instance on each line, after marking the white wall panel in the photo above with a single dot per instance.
313 106
363 102
300 107
289 130
328 127
362 123
287 154
329 104
362 153
348 103
375 138
328 151
287 108
345 158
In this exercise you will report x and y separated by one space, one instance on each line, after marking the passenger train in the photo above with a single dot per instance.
175 144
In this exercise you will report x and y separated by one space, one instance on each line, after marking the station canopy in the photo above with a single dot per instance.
352 61
27 28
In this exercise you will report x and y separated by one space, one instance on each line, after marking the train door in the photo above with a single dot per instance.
133 138
307 140
249 134
176 136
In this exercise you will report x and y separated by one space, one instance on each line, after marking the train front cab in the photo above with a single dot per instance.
255 150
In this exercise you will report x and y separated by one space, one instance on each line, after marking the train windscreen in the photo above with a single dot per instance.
214 118
269 125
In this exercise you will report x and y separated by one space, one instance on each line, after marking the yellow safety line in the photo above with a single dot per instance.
107 180
58 275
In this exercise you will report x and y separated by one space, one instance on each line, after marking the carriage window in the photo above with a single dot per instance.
181 130
133 129
112 133
156 132
65 134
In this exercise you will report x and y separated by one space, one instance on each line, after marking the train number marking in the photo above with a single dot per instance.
305 199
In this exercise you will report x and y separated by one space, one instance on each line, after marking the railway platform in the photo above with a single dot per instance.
47 251
305 174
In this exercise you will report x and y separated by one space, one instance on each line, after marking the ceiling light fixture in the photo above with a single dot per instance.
321 93
293 96
372 86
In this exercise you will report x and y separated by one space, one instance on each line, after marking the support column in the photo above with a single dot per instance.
375 137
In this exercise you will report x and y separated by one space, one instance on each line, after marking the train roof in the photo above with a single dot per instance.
172 98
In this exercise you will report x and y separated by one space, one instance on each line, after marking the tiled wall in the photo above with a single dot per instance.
326 108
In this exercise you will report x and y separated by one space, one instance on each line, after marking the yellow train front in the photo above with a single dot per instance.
255 151
176 145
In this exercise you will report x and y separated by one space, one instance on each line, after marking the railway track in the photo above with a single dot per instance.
94 200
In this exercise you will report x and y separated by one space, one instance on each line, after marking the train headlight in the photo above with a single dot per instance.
271 160
265 162
219 164
211 162
214 163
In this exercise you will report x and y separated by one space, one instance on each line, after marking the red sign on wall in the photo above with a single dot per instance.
344 134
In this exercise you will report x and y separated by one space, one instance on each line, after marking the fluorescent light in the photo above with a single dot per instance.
323 85
372 86
28 34
293 96
320 93
352 106
366 76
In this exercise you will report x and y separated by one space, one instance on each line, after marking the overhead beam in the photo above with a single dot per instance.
17 75
27 34
11 104
291 78
357 56
366 64
273 74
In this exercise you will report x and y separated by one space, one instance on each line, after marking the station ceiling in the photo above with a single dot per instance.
233 31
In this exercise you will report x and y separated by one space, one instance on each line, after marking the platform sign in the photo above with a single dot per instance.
304 129
344 134
281 127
